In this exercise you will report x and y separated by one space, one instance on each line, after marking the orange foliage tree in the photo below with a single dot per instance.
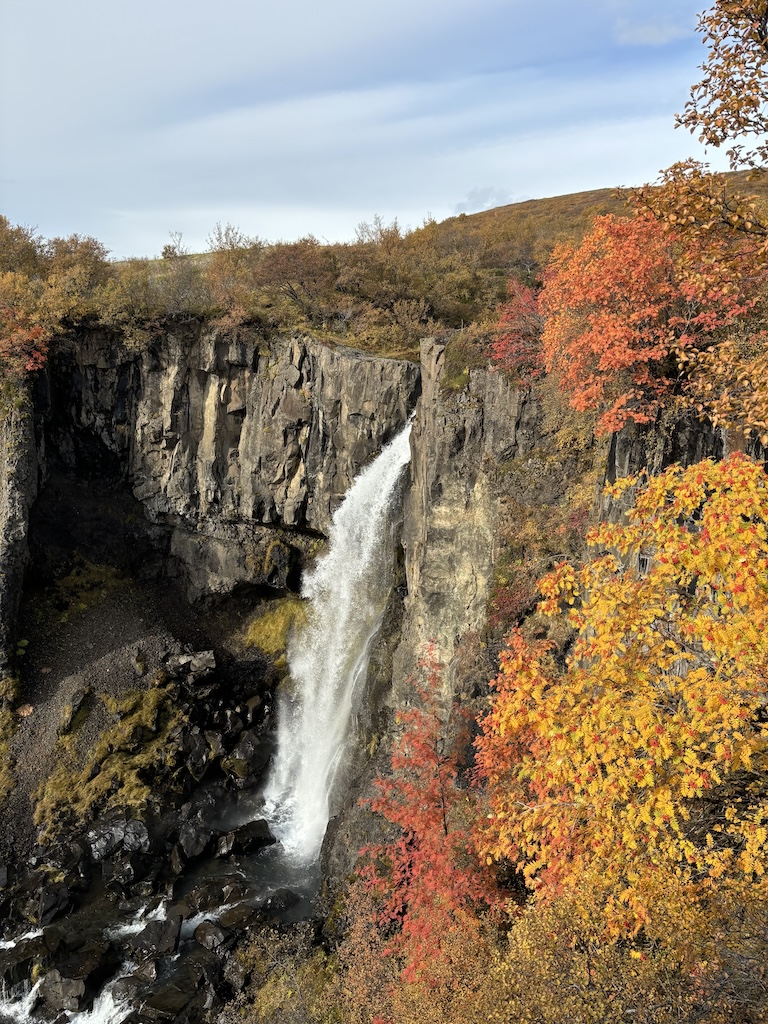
625 307
641 765
23 338
729 102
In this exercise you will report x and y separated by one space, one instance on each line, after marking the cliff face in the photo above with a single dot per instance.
18 489
237 447
459 443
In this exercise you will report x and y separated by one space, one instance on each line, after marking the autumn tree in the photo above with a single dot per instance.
625 309
229 271
516 347
427 881
729 102
641 765
23 339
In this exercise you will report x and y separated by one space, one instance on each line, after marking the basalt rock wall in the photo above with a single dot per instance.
241 448
460 443
18 489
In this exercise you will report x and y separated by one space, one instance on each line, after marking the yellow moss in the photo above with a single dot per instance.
83 587
270 630
6 773
120 770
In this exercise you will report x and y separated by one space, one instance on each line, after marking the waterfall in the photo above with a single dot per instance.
328 658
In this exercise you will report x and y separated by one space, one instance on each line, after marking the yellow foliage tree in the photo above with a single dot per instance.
645 758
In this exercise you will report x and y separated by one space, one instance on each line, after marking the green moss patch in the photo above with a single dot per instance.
128 761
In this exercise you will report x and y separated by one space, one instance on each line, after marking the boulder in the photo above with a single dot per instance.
194 838
249 757
157 938
246 839
209 935
62 993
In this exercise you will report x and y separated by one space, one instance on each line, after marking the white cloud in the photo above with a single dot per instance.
143 118
648 33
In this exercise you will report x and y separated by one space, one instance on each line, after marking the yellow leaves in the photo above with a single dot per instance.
657 707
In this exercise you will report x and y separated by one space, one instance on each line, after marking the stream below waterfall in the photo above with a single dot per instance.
171 936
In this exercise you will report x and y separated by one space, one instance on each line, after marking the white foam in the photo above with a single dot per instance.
328 658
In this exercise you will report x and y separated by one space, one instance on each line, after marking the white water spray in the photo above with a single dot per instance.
328 658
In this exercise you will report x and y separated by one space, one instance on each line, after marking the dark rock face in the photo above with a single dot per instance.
233 444
18 489
458 442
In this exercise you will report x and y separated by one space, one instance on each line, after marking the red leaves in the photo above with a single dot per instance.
23 343
517 348
427 880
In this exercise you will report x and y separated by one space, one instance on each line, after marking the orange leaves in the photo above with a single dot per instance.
599 769
23 339
728 103
623 308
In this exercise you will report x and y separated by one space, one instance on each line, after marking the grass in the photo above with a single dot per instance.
8 696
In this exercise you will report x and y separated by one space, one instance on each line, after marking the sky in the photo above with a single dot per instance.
132 120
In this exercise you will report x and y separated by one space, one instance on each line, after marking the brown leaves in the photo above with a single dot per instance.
729 101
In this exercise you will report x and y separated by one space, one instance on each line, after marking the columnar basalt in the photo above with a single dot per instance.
230 440
18 489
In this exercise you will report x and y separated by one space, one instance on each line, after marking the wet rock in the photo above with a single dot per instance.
252 705
241 916
3 876
130 868
195 748
280 901
233 724
225 844
210 895
249 837
136 837
209 935
147 972
249 757
125 989
190 990
54 900
16 963
176 861
215 742
103 839
62 993
93 962
194 838
158 938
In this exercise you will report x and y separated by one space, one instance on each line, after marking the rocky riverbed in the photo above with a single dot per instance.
135 853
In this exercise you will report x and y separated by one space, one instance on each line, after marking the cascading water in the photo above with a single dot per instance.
347 595
328 657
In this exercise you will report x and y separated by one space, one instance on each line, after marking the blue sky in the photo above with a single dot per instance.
131 120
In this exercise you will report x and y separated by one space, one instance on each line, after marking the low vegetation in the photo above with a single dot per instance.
271 627
121 771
